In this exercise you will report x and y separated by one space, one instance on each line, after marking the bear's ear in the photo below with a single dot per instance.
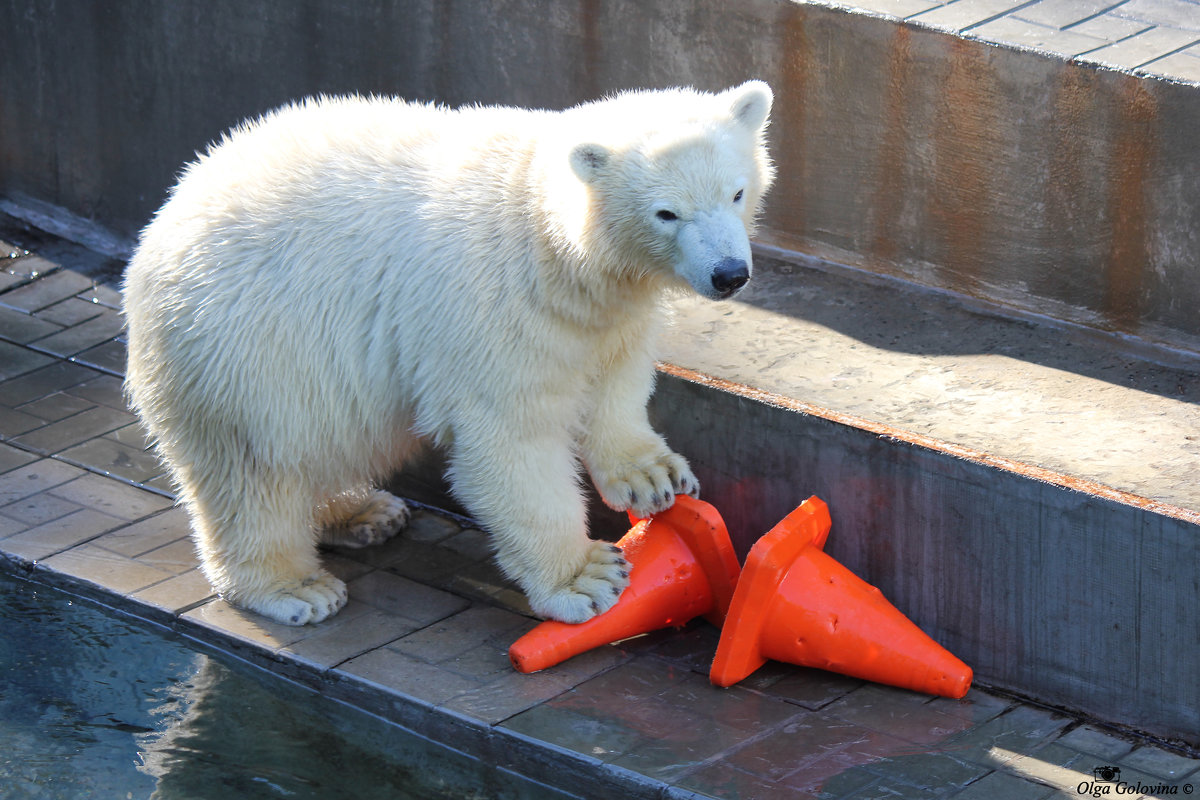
589 161
751 103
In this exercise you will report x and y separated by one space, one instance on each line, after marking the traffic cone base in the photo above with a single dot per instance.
738 651
682 565
795 603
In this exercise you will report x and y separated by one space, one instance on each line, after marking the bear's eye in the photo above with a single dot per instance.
666 216
737 198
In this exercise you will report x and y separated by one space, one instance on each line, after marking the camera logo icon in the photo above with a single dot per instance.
1107 774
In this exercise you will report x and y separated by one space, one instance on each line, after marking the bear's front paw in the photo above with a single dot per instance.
594 590
648 488
311 600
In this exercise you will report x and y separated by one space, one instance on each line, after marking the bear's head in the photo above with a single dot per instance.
675 191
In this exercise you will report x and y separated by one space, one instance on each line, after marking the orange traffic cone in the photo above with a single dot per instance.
795 603
682 566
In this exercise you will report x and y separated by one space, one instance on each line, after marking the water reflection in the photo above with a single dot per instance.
94 706
224 735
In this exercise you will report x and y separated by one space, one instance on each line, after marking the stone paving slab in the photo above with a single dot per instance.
1152 37
423 640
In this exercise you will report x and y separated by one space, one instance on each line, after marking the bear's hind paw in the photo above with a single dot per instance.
380 518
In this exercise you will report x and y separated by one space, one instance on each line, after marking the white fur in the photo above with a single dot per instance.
344 276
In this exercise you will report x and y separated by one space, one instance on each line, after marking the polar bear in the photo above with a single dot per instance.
346 277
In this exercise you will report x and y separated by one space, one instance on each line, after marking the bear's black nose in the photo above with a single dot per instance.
729 276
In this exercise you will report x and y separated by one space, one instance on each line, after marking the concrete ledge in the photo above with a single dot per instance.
1066 398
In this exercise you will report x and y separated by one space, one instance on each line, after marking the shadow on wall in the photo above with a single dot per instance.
898 317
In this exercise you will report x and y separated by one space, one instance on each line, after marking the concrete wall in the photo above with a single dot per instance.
1051 187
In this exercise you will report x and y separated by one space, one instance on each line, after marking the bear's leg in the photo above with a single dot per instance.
361 518
257 547
631 465
525 493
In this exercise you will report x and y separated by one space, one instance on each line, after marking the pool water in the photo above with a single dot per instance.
93 705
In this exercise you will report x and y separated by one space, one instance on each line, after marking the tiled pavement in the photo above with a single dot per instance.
1155 37
83 505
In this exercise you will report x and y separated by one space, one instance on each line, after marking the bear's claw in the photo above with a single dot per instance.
648 488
